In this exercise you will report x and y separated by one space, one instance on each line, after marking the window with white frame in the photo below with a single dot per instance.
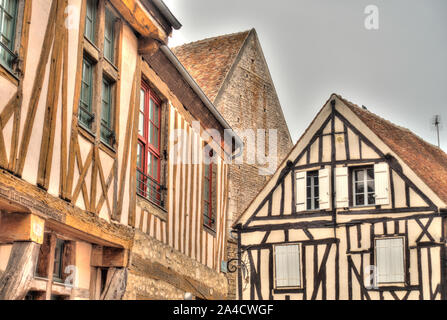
390 260
312 192
287 266
363 186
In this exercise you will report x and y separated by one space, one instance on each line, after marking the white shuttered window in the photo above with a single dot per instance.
287 266
390 260
381 183
300 191
324 186
341 187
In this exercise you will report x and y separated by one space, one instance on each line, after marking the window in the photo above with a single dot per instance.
107 133
390 260
85 102
58 254
287 266
363 186
90 20
209 188
109 37
208 218
148 152
312 191
8 21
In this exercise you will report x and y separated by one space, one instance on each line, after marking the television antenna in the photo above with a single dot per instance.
436 122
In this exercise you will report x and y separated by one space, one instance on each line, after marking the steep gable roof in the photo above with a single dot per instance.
209 60
426 160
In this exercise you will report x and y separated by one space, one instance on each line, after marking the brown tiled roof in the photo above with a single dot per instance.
208 61
426 160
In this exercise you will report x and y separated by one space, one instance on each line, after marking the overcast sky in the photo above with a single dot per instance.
317 47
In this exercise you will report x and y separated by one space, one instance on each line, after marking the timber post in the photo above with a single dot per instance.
25 231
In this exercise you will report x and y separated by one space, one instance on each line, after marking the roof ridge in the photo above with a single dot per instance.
212 38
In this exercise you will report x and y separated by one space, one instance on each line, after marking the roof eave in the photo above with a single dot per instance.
167 14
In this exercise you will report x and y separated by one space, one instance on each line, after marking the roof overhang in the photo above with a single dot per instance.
141 20
167 14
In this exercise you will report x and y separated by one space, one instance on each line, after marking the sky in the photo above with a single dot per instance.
317 47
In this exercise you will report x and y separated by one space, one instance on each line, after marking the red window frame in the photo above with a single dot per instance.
208 180
147 148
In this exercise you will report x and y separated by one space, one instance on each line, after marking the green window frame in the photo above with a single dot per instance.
90 20
107 133
109 36
86 116
8 22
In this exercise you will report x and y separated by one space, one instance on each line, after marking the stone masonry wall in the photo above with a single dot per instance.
157 271
248 100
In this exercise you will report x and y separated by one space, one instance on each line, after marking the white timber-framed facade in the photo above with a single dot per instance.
376 230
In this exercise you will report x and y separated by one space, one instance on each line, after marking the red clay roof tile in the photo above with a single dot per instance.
208 61
426 160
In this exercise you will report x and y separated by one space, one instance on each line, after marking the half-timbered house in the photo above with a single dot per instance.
96 200
355 211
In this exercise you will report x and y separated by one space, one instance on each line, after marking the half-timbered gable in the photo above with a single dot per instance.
90 189
355 211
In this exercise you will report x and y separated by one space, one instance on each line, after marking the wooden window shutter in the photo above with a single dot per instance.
287 266
341 187
324 186
381 183
300 191
390 260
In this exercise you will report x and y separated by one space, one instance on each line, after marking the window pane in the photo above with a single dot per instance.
360 199
151 109
141 124
90 20
109 36
156 114
370 186
105 114
8 17
142 100
139 156
151 133
205 209
370 174
359 187
206 188
149 164
156 142
85 103
155 167
359 175
371 198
